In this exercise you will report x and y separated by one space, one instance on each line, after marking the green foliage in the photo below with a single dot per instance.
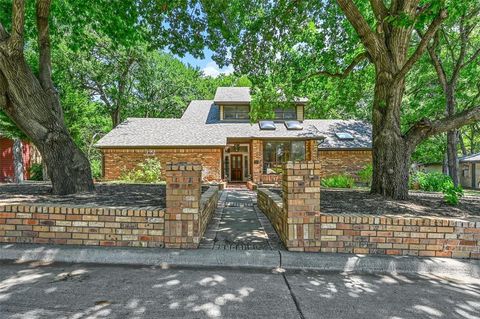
338 181
36 172
96 166
437 182
365 174
452 194
430 182
149 171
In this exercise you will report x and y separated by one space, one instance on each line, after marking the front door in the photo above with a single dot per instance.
237 168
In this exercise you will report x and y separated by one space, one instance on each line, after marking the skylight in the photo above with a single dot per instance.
293 125
344 136
267 125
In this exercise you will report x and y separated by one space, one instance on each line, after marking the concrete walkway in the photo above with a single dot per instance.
238 224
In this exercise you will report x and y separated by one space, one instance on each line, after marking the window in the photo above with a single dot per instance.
286 114
238 112
275 153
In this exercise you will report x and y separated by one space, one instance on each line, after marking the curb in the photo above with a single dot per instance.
252 259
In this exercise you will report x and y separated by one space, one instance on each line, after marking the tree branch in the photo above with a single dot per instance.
359 58
369 39
464 35
472 58
379 9
3 33
422 46
437 63
426 128
45 74
18 25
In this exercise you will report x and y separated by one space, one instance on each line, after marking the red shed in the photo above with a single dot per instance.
6 159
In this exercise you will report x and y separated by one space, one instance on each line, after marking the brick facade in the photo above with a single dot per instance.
302 227
116 160
335 162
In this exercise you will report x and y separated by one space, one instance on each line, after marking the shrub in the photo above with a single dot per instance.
149 171
430 182
365 174
96 166
338 181
437 182
36 172
452 194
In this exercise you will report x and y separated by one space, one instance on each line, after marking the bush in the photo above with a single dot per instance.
366 174
430 182
96 166
148 171
36 172
452 194
338 181
437 182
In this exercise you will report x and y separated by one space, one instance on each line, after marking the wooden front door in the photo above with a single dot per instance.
237 168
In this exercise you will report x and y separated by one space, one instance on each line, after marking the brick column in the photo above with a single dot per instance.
301 203
182 228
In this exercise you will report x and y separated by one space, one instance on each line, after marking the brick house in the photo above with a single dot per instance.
7 159
219 135
470 166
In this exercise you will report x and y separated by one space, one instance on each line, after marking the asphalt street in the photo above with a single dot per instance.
32 290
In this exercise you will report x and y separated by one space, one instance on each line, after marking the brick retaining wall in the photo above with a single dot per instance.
302 227
75 225
181 224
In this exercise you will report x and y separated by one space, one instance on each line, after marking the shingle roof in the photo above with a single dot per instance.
361 132
471 158
233 95
200 126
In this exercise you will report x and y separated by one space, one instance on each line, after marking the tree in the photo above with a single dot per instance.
455 49
296 35
32 102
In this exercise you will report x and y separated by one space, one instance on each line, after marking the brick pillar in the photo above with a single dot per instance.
301 202
182 228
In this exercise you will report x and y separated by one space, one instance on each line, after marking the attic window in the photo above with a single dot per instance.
344 136
293 125
267 125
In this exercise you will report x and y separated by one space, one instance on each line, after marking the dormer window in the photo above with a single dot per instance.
286 114
236 112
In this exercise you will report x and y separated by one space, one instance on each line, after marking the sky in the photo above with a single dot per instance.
207 65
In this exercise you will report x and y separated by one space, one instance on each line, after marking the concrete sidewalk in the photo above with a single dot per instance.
200 258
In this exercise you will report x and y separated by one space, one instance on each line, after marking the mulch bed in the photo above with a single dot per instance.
338 201
109 195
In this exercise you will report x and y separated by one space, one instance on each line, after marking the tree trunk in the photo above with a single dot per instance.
116 118
452 155
391 154
462 143
18 161
38 114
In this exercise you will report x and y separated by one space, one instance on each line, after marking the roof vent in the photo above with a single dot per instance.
344 136
293 125
267 125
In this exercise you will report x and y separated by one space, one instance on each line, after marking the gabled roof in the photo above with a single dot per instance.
471 158
200 125
232 95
